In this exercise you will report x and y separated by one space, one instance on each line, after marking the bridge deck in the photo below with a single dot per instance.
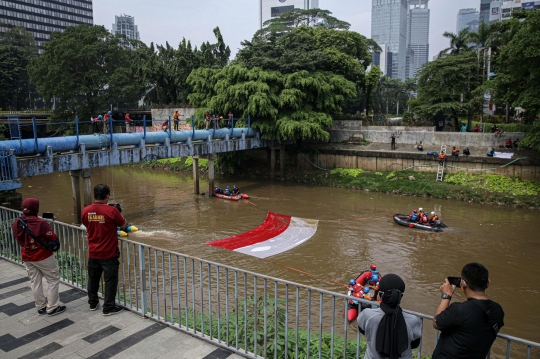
80 333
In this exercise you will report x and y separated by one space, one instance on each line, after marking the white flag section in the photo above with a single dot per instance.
277 234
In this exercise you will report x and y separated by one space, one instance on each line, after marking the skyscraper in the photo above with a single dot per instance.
269 9
125 25
417 35
485 10
43 17
389 26
467 19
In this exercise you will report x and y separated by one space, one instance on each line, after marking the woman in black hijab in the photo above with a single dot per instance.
390 332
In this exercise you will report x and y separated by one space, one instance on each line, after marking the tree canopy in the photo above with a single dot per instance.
300 17
88 69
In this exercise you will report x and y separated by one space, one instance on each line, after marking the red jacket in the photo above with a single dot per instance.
128 119
31 250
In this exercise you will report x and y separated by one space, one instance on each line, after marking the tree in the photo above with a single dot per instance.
483 36
88 69
299 17
291 106
458 42
446 85
372 78
17 48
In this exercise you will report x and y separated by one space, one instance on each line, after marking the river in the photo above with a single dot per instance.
162 205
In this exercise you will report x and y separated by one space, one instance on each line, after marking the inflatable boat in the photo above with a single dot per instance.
403 220
231 197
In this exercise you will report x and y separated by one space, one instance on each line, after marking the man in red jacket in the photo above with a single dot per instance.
102 222
39 261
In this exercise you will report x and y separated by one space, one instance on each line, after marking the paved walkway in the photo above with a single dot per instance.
80 333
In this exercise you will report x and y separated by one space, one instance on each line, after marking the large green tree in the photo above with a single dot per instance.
458 42
17 49
446 86
300 17
291 106
88 69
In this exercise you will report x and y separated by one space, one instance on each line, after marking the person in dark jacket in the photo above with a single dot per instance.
40 262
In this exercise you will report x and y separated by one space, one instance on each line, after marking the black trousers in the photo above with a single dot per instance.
109 269
176 123
393 145
95 127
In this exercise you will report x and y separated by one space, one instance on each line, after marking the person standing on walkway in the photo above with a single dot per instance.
39 260
96 123
101 222
176 118
468 329
129 120
393 137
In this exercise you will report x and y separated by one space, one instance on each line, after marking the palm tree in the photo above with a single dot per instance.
483 36
458 43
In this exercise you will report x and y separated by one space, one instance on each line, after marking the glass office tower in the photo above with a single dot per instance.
42 17
269 9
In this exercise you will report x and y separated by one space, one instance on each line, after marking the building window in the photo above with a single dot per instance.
278 10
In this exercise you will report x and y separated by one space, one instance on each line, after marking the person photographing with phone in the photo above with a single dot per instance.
468 329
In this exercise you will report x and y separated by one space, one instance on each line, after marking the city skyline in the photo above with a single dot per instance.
125 25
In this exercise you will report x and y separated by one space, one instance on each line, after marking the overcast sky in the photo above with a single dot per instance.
160 20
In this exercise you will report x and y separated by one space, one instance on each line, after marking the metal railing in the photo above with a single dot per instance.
254 315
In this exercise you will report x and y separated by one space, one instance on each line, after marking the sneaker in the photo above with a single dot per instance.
42 311
57 310
117 309
94 306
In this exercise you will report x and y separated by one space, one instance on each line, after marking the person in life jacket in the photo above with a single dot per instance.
414 216
424 219
420 213
455 151
434 217
228 191
218 190
235 190
95 124
442 158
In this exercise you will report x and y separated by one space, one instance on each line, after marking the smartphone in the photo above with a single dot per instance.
455 281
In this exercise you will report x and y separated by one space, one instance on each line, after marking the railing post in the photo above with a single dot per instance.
232 123
76 130
215 122
142 276
34 127
110 127
193 125
170 130
144 125
249 124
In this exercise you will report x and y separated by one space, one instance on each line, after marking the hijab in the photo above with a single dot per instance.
392 338
30 207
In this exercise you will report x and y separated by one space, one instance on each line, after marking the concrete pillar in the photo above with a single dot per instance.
282 163
211 159
272 162
87 186
76 194
195 175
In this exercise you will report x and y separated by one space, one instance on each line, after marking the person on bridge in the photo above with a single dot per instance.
468 329
176 119
165 126
106 118
455 151
129 121
230 117
390 333
96 123
442 159
207 120
39 260
235 190
102 222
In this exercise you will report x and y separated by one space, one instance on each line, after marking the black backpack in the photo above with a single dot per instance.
53 246
492 323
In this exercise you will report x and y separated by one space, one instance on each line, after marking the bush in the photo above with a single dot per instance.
496 183
347 172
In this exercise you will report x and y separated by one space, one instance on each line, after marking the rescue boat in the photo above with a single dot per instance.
231 197
403 219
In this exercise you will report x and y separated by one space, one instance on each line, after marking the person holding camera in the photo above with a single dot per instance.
38 242
468 329
390 333
102 221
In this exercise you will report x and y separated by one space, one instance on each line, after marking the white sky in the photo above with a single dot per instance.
160 20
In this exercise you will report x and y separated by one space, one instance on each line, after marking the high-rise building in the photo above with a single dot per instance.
269 9
41 18
389 26
507 7
417 35
467 19
125 25
383 59
485 9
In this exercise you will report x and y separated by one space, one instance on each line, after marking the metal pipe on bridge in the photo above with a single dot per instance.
96 142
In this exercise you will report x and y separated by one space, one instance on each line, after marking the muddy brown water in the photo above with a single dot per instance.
162 205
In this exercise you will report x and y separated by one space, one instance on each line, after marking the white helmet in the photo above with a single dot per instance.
421 209
432 213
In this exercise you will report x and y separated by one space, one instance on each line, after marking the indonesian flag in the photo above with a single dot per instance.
277 234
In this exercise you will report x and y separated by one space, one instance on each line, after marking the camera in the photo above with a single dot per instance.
116 205
455 281
48 215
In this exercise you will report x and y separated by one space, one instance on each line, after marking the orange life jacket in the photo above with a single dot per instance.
434 218
442 156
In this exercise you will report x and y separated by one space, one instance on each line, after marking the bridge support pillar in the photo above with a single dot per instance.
211 159
195 174
76 194
87 186
272 162
282 163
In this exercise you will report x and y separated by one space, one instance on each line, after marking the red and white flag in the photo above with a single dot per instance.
277 234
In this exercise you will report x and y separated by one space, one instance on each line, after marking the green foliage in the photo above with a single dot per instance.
299 17
391 175
166 69
87 68
17 49
531 140
496 183
71 268
286 106
378 174
459 42
349 172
